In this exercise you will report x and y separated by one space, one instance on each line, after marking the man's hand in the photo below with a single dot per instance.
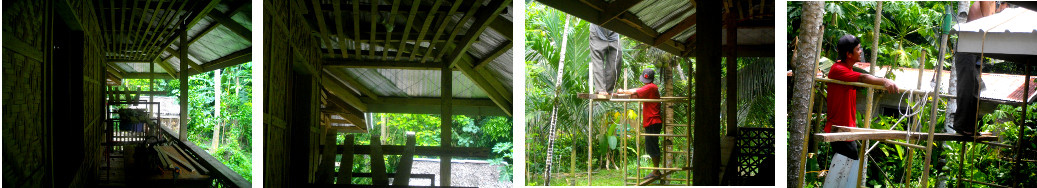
890 86
886 83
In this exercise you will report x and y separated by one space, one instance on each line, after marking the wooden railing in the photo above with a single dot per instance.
222 175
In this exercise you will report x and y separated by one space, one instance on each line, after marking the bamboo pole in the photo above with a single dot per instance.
871 93
932 109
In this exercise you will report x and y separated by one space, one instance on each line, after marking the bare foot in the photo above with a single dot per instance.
603 93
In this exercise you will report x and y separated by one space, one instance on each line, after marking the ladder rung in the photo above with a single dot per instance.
676 152
678 125
664 135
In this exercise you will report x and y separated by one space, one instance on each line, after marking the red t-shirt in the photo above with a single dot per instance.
650 110
842 99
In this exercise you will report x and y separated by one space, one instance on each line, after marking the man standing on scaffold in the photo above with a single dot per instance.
842 110
652 122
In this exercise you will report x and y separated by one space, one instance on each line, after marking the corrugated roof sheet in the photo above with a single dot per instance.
1002 87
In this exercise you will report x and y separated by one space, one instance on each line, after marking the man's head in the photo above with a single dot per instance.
849 48
647 76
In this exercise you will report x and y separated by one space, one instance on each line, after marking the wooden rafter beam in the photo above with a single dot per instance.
673 31
351 82
238 57
234 26
339 90
146 76
493 55
625 23
502 25
503 101
424 28
350 63
614 9
443 21
482 19
194 65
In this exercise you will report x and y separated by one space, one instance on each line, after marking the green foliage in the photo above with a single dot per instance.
235 148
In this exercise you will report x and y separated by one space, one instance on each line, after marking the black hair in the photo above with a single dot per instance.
846 45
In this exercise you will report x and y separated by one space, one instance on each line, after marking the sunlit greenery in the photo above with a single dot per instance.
235 148
544 37
907 30
493 132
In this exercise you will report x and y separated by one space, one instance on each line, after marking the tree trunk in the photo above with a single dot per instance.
557 102
803 63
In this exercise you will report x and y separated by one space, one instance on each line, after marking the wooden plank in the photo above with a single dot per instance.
442 25
402 176
447 46
173 155
392 19
472 152
378 176
189 158
319 14
374 21
406 28
482 19
327 160
649 181
897 135
345 169
356 28
337 11
424 28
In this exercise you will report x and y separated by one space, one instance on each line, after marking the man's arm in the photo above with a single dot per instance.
888 84
626 91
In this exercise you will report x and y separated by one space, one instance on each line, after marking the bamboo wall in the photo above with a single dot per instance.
23 86
292 64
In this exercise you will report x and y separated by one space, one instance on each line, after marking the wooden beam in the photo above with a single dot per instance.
337 11
503 26
341 75
707 90
392 20
498 97
673 31
469 107
146 75
185 59
898 135
424 28
319 14
406 27
443 21
472 152
493 55
482 19
236 58
350 63
341 92
615 8
356 26
234 26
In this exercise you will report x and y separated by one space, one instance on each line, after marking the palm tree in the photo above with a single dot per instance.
807 51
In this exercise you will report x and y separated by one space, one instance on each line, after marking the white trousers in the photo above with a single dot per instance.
843 173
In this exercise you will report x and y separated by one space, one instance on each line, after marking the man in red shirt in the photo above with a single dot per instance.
652 122
842 109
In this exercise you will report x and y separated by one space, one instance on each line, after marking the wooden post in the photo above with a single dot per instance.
1019 143
707 118
446 121
182 55
590 117
871 93
732 73
932 109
